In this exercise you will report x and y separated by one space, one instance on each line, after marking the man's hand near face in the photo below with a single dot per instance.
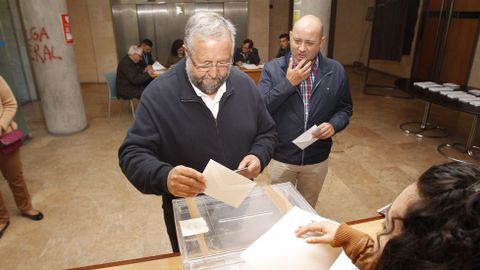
299 73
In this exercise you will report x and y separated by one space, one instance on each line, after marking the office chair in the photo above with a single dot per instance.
111 78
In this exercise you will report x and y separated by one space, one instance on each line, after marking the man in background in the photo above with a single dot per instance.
284 45
147 60
131 77
247 54
303 89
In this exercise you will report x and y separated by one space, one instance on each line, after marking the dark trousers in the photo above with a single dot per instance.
170 221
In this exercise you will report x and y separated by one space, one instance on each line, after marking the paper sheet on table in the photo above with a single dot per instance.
280 249
343 263
226 185
304 140
249 66
157 66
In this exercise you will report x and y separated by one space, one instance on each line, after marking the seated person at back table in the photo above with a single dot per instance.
284 41
131 78
247 54
147 60
433 224
177 52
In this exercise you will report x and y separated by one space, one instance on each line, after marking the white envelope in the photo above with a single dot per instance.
157 66
226 185
280 249
304 140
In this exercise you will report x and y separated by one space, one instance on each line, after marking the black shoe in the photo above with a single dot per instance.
36 217
4 228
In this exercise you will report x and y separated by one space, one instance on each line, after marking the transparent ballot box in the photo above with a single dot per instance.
212 234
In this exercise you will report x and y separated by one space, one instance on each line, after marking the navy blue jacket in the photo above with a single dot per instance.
173 126
330 101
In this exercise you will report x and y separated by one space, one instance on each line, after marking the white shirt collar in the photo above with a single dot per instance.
212 104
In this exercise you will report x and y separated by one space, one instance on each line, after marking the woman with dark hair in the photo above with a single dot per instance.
433 224
177 52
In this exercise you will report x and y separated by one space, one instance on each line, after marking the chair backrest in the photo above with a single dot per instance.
111 78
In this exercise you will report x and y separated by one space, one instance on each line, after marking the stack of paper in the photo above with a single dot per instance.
158 67
454 86
469 98
249 66
459 94
426 85
474 103
280 249
439 89
474 92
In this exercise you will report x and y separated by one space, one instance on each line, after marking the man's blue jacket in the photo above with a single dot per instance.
330 101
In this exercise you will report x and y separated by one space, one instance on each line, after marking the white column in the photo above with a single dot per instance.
54 66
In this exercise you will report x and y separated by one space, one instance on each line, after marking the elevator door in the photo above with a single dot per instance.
163 23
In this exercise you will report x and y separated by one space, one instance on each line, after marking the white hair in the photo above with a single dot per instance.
134 49
207 25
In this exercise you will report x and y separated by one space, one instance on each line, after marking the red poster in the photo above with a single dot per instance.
67 33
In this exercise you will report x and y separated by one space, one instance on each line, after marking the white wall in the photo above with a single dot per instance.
259 26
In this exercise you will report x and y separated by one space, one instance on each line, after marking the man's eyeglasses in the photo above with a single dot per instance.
207 67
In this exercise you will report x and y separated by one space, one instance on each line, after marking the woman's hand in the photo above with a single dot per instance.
321 232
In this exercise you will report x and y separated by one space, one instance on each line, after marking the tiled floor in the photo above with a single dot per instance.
93 214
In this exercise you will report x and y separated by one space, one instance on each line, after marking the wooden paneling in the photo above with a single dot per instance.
459 5
426 53
459 51
467 5
437 5
452 60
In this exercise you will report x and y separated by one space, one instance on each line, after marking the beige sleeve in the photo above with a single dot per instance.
358 246
8 108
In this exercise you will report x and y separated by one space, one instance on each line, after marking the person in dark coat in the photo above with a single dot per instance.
177 52
131 77
200 109
246 54
304 90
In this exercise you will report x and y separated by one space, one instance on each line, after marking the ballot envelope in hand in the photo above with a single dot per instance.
226 185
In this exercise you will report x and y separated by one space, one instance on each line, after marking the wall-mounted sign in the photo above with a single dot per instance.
67 33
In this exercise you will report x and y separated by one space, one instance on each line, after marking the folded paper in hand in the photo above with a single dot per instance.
280 249
226 185
157 66
304 140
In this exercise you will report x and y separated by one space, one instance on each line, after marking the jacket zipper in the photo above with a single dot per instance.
214 118
306 120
